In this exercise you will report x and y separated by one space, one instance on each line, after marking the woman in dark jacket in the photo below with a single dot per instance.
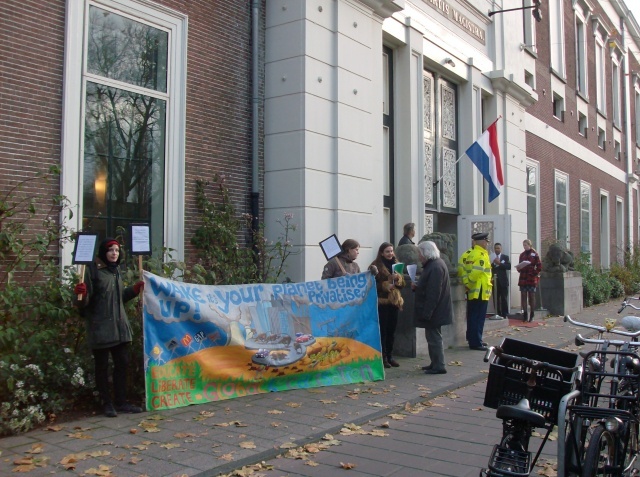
390 301
433 306
108 328
529 276
345 262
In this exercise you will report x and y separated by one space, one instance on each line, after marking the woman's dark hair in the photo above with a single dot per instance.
349 244
382 247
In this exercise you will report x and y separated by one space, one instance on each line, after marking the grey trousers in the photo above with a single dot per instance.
436 348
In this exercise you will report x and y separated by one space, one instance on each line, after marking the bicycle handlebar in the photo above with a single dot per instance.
616 343
602 329
625 304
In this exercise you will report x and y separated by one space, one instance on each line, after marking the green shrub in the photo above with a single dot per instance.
596 286
627 277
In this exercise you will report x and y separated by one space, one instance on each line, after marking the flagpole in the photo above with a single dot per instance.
465 153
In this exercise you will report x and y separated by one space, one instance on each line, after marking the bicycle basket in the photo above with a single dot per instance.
507 383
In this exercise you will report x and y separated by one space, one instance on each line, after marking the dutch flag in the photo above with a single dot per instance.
485 154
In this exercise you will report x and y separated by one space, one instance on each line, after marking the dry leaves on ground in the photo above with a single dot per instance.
347 465
247 445
27 464
294 404
275 411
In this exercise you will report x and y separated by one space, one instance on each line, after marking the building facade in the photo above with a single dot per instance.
353 115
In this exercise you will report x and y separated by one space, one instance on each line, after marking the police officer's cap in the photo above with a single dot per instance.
480 236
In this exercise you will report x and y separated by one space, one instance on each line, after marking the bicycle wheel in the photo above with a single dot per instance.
600 455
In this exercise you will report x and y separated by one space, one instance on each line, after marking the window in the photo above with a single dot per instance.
585 217
528 79
600 83
532 202
617 151
619 230
129 61
556 27
637 115
558 106
583 126
602 138
615 93
529 27
581 56
562 208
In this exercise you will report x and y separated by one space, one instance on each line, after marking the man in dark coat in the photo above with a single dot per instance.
499 267
433 306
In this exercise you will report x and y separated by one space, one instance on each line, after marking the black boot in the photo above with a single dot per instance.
524 317
531 316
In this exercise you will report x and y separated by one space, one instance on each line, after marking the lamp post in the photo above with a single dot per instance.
535 7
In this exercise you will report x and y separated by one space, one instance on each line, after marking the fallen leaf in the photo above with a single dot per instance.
376 404
311 463
170 445
331 415
397 417
79 435
135 460
133 431
275 411
36 449
247 445
294 404
54 428
183 435
347 465
275 424
102 470
228 457
328 401
288 445
378 433
385 425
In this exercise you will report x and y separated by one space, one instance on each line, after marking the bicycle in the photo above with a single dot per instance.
525 392
603 414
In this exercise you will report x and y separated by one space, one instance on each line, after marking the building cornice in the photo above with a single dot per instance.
384 8
504 82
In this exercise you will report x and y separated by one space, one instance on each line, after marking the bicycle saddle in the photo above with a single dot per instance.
630 322
521 411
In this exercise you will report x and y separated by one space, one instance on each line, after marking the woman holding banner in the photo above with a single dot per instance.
108 330
388 285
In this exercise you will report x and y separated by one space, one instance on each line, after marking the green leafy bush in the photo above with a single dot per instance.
43 368
596 286
627 276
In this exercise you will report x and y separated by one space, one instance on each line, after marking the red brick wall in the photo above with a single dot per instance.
552 158
218 109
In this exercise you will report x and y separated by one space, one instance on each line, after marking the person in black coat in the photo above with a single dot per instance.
433 306
499 267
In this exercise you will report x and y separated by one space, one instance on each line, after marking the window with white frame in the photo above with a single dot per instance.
619 230
125 134
583 124
562 207
616 97
602 138
617 150
637 113
558 106
581 56
585 217
556 36
600 81
529 26
532 202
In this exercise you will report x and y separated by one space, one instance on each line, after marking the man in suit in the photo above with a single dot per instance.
499 267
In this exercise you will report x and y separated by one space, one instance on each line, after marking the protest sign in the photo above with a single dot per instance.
208 343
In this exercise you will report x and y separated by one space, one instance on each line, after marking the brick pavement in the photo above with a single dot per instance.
215 438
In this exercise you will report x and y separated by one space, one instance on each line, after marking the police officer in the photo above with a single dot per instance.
477 270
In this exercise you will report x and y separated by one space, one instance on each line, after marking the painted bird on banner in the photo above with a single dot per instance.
485 154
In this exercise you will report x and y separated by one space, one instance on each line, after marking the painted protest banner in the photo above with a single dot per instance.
208 343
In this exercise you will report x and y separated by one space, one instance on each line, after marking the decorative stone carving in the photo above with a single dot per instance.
558 259
445 243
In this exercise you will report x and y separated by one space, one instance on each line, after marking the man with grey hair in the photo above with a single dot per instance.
433 306
409 231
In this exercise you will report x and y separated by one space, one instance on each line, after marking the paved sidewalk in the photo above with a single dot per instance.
215 438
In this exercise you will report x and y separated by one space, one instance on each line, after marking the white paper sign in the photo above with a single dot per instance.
85 248
411 270
330 247
140 240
